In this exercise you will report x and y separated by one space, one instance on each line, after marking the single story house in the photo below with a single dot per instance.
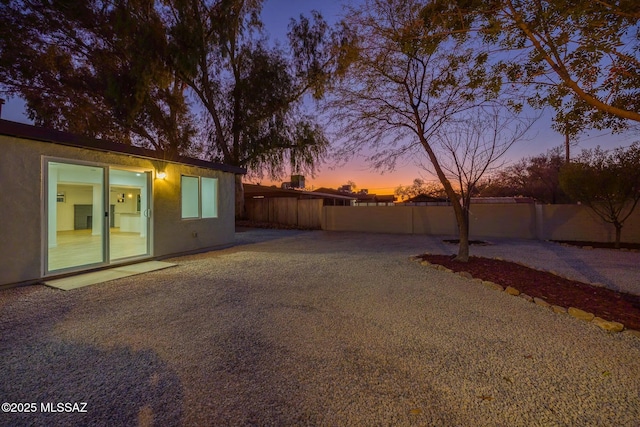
72 204
253 192
361 198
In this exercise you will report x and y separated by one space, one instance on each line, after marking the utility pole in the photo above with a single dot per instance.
2 101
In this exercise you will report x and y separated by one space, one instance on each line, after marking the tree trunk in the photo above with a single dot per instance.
240 212
461 219
618 233
463 232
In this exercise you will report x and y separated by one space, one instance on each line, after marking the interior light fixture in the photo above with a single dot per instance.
161 174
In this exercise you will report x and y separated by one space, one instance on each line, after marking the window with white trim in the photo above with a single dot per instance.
209 197
199 197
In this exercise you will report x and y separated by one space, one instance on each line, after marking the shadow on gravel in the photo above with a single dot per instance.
579 265
120 386
248 236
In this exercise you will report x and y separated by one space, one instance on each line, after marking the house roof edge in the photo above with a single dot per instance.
26 131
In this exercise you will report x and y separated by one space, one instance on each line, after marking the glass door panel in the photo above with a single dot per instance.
129 219
75 216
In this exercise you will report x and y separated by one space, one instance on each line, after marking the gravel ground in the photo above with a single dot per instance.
312 328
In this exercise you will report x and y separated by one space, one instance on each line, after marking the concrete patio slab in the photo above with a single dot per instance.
87 279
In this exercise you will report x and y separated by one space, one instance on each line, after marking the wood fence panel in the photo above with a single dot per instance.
310 213
257 210
286 210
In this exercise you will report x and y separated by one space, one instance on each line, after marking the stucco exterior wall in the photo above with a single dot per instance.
172 234
434 220
573 222
502 220
523 221
373 219
21 205
20 211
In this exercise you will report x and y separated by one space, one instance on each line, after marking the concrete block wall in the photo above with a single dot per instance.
437 220
502 220
524 221
370 219
574 222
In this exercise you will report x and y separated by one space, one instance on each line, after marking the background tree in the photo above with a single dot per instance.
97 69
606 181
420 187
580 56
402 87
251 94
536 177
143 71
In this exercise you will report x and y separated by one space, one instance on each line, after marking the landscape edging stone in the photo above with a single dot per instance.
606 325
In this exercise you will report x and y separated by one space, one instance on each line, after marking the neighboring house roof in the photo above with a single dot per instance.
359 197
487 200
21 130
261 191
331 191
374 198
425 198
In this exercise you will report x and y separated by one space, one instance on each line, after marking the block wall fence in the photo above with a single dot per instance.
524 221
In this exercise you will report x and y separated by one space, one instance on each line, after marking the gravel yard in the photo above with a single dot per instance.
317 328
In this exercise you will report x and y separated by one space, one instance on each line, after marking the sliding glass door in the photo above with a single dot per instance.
75 216
94 215
130 214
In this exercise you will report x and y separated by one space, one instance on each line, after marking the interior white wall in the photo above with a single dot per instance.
74 195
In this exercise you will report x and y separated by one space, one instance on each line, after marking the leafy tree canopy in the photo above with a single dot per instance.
95 68
582 57
170 73
420 187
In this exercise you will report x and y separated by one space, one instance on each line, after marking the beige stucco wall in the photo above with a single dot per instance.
373 219
172 234
20 211
434 220
502 220
573 222
525 221
21 205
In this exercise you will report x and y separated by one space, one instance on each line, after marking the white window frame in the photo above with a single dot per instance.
207 211
201 212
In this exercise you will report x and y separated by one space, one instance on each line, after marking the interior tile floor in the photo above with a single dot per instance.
80 247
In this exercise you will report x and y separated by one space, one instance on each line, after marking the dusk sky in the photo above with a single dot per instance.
276 17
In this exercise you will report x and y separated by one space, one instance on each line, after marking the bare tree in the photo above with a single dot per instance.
401 87
475 145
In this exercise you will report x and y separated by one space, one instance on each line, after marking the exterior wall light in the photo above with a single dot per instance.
161 174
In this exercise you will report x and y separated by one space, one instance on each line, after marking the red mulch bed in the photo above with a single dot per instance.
603 302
